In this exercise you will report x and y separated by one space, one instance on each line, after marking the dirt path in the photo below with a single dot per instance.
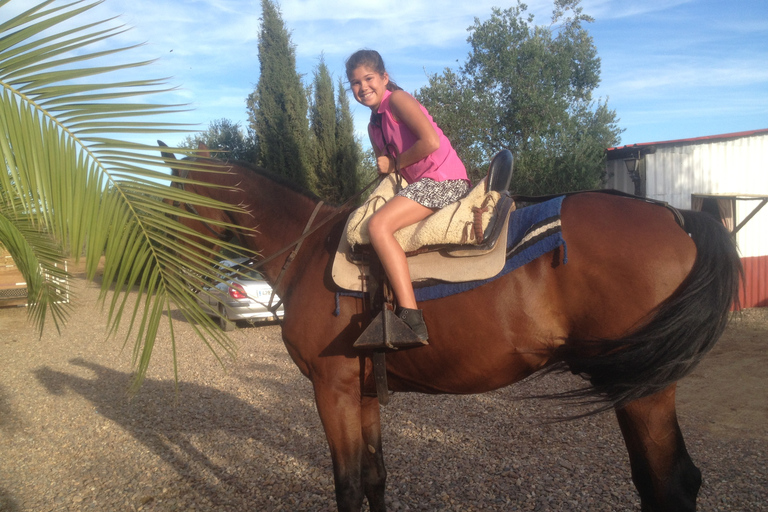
247 436
729 389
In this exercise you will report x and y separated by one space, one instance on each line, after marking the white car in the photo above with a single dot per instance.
242 297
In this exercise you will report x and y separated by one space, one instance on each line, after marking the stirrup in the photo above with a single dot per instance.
388 332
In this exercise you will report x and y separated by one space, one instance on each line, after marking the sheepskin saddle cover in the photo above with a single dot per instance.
465 222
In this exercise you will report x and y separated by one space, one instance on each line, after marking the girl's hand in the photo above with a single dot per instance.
385 164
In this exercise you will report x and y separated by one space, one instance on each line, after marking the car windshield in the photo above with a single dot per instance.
254 275
228 269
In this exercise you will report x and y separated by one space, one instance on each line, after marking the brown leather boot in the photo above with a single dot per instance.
415 320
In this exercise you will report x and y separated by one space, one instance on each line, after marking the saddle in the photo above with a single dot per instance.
457 243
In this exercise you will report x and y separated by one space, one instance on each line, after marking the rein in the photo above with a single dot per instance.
296 245
392 152
273 308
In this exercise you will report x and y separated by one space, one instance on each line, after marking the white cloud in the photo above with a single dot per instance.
654 53
668 79
617 9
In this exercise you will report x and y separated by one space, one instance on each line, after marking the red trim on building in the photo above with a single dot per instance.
754 291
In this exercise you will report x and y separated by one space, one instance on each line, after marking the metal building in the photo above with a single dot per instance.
726 175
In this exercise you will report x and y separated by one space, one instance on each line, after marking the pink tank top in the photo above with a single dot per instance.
443 164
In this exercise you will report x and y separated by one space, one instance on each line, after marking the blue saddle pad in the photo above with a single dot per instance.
533 231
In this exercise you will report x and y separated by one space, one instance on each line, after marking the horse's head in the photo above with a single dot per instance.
202 151
187 207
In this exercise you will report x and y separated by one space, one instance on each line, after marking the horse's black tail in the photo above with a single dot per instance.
677 334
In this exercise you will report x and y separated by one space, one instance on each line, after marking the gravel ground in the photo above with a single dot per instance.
246 437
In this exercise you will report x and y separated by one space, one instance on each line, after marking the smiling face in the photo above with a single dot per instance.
368 86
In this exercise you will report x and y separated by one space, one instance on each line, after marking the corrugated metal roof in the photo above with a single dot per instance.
623 151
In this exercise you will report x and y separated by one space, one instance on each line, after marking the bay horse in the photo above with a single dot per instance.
636 306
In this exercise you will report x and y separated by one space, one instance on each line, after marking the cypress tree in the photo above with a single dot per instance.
323 123
348 151
277 109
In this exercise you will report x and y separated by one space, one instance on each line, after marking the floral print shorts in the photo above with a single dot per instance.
435 194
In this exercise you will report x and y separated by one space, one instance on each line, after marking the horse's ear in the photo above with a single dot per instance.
168 156
202 150
165 154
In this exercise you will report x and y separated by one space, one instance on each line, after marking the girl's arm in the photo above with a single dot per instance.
406 110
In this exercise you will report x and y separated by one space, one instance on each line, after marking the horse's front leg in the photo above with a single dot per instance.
353 429
662 470
374 472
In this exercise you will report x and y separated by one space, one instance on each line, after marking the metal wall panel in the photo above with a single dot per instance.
618 178
738 166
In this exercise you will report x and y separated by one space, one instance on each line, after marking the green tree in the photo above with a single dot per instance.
348 160
226 139
277 109
453 104
337 159
323 124
529 89
73 186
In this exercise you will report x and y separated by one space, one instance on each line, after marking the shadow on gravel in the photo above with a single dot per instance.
217 443
8 418
7 504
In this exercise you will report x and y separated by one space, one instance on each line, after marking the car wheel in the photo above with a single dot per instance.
225 323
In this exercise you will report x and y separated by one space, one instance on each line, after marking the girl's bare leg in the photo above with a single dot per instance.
398 213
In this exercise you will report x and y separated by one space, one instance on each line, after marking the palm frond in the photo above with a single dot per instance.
39 261
73 177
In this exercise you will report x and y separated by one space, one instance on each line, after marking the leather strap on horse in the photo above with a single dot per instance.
305 234
289 260
477 224
395 155
296 244
349 201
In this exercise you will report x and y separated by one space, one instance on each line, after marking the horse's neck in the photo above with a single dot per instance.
279 218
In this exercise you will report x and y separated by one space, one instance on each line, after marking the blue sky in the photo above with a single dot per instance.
670 68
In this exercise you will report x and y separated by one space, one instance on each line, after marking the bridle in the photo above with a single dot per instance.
296 245
191 208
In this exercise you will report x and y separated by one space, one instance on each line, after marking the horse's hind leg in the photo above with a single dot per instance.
662 470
